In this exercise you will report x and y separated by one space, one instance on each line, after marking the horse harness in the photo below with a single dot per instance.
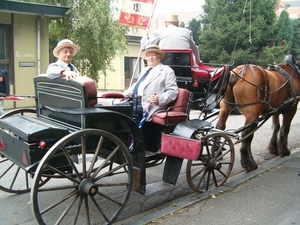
276 68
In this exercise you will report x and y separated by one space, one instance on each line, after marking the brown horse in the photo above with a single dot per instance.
261 92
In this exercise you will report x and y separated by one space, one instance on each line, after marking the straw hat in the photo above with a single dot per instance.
152 48
172 18
65 43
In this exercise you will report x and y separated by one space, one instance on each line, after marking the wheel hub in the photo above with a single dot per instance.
214 164
88 187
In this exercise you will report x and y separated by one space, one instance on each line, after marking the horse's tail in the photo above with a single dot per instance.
225 79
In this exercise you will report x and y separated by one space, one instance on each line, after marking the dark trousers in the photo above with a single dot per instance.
152 136
151 131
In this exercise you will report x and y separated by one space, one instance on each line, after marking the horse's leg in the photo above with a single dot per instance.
247 161
272 147
225 109
288 116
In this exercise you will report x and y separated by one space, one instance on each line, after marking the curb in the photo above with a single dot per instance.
187 201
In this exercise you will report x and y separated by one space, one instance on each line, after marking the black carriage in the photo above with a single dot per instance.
81 160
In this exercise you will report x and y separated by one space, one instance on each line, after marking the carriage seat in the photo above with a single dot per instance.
183 64
90 89
80 84
176 111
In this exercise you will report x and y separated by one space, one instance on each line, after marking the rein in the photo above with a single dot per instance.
258 89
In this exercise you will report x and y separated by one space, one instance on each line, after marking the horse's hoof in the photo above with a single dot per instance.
249 167
273 149
273 152
283 154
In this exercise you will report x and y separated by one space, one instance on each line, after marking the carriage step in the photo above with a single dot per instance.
148 153
157 186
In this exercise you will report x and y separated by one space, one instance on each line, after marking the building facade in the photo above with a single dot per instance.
24 45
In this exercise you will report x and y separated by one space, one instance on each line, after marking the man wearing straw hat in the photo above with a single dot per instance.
173 37
157 87
63 67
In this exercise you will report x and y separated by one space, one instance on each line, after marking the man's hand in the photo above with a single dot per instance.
70 75
154 99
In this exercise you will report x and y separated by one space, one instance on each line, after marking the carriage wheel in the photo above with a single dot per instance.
18 111
91 187
14 179
214 165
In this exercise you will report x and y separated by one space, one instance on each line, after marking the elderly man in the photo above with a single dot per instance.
156 84
157 87
63 67
173 37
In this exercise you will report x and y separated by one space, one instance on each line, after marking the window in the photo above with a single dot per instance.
5 51
130 65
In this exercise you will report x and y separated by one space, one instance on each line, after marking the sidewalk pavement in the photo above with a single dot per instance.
269 195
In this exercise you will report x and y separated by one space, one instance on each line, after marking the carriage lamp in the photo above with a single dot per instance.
42 144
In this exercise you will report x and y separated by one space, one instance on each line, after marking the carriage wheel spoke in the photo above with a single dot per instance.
95 157
64 213
83 152
215 179
63 175
109 198
201 179
78 209
6 171
14 178
99 209
110 172
87 211
56 203
199 172
105 162
71 163
207 180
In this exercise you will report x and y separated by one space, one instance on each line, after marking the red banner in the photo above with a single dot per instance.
136 13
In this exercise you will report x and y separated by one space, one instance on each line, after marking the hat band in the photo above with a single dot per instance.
152 48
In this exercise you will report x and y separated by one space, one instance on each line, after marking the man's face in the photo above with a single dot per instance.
153 59
66 54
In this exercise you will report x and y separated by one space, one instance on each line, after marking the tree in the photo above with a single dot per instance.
238 32
90 24
295 49
286 29
195 26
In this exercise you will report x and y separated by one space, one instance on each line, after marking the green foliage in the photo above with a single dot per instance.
243 32
295 49
195 26
286 29
89 24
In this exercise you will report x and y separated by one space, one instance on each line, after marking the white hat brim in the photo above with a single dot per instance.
58 48
144 53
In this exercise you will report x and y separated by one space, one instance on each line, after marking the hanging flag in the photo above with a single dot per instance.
145 115
13 98
136 13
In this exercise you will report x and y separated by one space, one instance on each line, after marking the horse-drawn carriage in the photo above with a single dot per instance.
81 160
